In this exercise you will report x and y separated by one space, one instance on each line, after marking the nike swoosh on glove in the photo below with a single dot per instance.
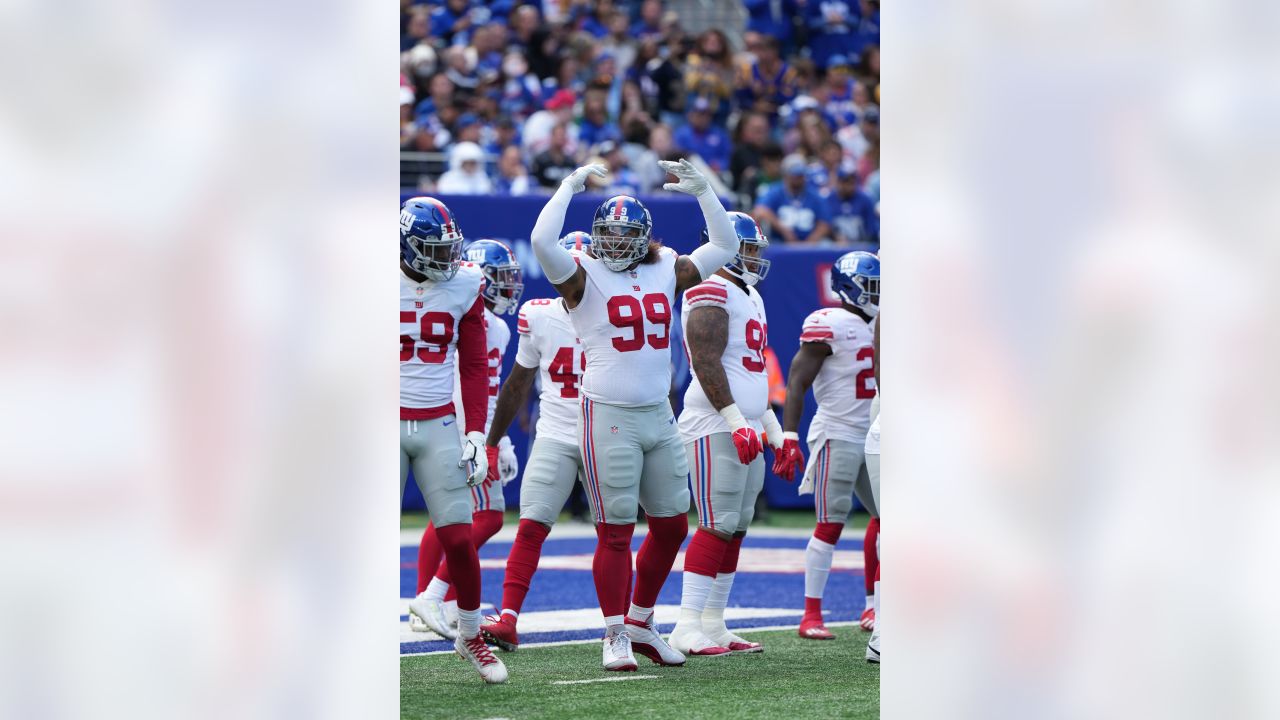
747 443
491 453
473 452
788 459
692 181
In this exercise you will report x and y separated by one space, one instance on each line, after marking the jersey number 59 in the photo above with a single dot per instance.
435 328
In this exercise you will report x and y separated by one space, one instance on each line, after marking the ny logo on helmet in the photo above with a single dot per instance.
406 221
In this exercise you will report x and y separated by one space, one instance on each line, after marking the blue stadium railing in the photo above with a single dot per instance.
797 285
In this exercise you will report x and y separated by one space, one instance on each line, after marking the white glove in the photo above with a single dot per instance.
473 452
577 180
692 181
508 464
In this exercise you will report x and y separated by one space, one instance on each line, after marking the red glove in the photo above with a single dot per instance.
747 443
788 459
492 453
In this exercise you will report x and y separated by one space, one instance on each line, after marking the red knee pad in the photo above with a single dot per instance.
828 533
730 561
615 537
705 554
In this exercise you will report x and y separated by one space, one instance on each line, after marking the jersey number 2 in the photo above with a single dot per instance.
865 383
625 312
427 326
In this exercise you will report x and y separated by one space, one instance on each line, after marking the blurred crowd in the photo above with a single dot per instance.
785 113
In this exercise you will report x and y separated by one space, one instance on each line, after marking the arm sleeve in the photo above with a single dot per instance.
557 264
473 367
722 241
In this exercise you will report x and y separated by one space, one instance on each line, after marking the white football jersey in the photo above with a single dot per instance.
497 337
846 383
743 358
624 320
549 342
430 315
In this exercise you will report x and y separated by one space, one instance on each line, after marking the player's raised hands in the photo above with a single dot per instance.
788 459
692 181
577 180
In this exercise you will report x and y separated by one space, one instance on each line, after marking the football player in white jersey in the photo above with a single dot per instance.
442 325
725 409
837 359
619 294
873 472
435 607
550 349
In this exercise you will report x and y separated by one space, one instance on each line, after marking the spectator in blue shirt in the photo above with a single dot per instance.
702 138
596 127
452 21
772 18
833 26
854 214
650 23
792 209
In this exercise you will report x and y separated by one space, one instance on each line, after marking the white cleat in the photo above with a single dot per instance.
417 625
873 647
431 613
451 614
737 644
617 653
695 643
481 658
650 644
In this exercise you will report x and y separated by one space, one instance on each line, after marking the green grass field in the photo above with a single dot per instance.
793 678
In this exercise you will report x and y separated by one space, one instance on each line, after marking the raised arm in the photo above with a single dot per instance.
557 264
722 241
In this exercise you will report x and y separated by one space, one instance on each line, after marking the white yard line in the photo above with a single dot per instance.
606 679
558 643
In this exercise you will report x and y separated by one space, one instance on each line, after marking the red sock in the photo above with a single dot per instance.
484 525
656 556
812 608
460 553
705 554
522 563
611 567
429 554
730 562
828 533
871 558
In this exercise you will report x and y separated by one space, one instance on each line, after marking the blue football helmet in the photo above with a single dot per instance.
855 277
430 239
504 283
747 266
576 240
620 232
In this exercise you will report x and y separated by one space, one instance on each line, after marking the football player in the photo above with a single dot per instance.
442 325
873 472
619 295
725 409
549 348
437 600
837 359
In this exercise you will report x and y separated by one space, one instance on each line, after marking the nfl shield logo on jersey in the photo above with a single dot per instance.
613 429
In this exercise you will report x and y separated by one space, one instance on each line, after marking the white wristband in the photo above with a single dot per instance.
772 430
791 436
733 416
